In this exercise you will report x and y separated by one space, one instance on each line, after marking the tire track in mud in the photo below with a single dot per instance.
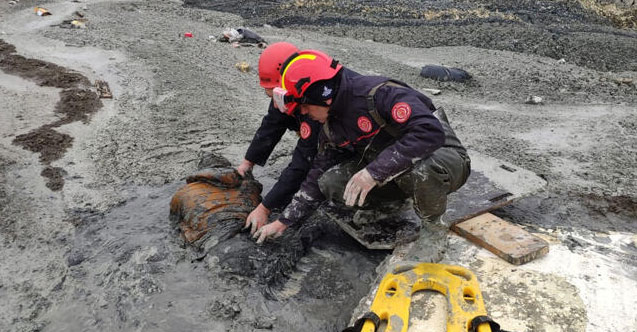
77 103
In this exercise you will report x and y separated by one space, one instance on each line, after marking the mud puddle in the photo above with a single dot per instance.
572 211
76 103
129 270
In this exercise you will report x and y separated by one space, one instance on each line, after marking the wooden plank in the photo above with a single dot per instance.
508 241
103 89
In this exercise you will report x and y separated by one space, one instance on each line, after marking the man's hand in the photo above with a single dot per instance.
358 186
244 167
257 218
271 230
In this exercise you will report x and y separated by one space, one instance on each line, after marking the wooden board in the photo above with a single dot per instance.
508 241
103 90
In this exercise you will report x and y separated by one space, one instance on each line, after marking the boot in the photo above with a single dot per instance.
430 246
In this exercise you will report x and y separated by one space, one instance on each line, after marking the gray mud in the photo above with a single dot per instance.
76 104
567 30
99 254
128 270
554 29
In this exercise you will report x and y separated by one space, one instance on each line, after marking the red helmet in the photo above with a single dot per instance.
305 69
271 61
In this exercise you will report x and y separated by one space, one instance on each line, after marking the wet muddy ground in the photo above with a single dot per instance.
95 250
556 29
76 104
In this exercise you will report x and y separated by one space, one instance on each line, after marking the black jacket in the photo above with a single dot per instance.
268 135
352 128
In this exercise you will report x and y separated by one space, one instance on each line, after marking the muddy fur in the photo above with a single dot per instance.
237 253
271 262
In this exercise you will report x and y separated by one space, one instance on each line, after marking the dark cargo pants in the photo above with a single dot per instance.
428 183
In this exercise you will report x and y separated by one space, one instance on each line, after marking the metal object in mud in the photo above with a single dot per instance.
41 11
458 284
102 89
243 66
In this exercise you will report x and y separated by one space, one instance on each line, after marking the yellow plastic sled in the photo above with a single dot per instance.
465 305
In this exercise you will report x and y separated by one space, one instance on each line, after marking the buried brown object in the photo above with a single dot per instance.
506 240
218 200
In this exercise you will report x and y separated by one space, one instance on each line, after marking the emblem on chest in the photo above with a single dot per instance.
364 124
305 131
401 112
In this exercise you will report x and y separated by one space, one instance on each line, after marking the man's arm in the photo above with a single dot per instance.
293 175
309 196
304 202
422 133
268 135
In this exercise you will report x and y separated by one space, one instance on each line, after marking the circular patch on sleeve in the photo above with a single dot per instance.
364 124
401 112
305 130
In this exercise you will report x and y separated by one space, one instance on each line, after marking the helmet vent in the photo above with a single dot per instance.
300 83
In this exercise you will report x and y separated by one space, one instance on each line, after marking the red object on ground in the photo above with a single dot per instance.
188 34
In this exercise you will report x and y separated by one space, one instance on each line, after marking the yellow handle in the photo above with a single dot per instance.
457 284
368 326
484 327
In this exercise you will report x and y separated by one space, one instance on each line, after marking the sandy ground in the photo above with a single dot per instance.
99 254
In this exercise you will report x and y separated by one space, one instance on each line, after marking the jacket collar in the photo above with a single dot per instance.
342 93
